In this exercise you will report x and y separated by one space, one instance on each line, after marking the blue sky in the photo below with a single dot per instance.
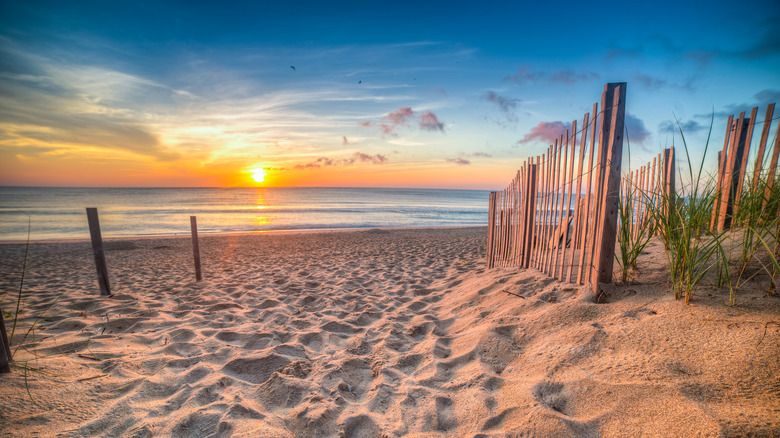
426 94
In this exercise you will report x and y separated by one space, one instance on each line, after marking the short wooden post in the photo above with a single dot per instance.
612 137
195 247
5 349
97 250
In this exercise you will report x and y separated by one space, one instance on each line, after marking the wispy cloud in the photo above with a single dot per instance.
507 105
63 105
459 161
546 132
525 76
357 157
656 83
394 120
672 127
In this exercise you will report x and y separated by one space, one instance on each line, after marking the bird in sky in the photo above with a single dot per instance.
292 67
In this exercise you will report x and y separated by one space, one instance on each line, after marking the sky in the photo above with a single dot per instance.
361 94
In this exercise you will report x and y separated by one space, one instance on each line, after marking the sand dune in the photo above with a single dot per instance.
376 334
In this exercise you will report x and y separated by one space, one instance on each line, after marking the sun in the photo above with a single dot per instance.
258 175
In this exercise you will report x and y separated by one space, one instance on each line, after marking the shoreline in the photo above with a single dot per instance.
234 233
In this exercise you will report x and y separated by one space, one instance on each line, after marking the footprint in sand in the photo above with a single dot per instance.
552 396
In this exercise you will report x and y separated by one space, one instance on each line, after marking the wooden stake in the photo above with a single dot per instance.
607 222
530 202
195 247
554 206
772 168
585 253
568 215
97 251
745 152
577 207
598 187
722 158
728 191
491 229
562 217
548 206
762 145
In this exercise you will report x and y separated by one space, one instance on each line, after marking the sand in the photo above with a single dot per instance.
377 333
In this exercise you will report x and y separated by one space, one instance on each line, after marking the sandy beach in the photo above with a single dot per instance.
374 333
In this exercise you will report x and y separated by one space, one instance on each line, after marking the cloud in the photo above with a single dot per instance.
507 105
546 132
671 127
481 154
365 158
636 129
524 76
768 45
427 121
765 97
656 83
761 100
357 157
458 161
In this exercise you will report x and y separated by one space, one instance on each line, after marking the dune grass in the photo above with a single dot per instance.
681 218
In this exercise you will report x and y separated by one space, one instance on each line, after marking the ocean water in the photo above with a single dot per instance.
57 213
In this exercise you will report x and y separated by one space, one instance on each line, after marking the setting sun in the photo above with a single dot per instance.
258 175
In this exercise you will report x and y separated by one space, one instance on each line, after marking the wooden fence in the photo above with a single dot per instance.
732 165
543 220
644 189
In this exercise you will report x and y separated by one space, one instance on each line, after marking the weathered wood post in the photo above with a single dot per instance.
530 208
97 250
5 349
762 145
195 247
614 107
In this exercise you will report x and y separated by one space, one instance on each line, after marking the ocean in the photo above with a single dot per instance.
59 212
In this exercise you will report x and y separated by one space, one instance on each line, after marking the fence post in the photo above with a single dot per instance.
5 349
612 139
745 152
97 250
722 158
731 174
772 169
530 208
195 247
762 145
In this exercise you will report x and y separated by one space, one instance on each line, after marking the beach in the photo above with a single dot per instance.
374 333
